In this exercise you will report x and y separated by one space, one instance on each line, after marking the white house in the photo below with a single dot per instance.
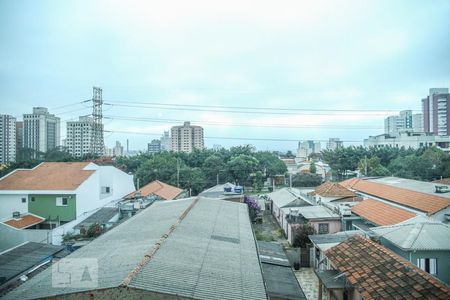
56 196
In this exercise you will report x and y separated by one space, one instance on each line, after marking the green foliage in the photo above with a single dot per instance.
94 231
240 167
312 168
421 164
306 180
301 234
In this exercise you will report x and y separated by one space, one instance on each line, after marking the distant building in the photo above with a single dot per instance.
436 112
118 149
41 130
7 139
165 142
187 138
79 138
334 143
413 140
154 146
19 137
405 121
306 148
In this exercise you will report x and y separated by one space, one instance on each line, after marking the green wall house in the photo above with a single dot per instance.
53 207
423 242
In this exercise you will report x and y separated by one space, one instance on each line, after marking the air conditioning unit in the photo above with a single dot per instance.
345 211
16 215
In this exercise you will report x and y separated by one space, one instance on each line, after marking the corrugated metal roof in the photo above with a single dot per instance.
189 261
425 235
102 216
312 212
23 258
192 264
282 197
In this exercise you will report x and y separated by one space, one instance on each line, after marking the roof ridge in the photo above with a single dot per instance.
147 256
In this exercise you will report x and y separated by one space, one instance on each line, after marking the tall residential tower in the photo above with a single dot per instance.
41 130
7 139
187 138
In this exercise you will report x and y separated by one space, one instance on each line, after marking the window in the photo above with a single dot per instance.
428 265
323 228
32 199
61 201
24 200
106 189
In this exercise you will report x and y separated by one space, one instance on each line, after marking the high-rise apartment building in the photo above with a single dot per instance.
118 149
405 121
41 130
19 137
187 138
436 112
7 139
165 142
79 138
306 148
334 143
154 146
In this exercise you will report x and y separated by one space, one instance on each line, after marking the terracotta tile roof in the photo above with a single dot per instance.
377 273
417 200
333 189
48 176
161 189
381 213
24 221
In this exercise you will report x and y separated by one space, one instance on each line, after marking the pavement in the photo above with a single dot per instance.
309 282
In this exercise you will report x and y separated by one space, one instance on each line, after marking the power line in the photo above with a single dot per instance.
237 124
272 112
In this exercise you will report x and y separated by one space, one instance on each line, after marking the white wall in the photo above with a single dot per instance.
11 203
89 195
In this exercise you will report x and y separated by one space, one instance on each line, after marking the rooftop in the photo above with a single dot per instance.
24 221
326 241
381 213
333 189
377 273
279 278
58 176
417 200
283 197
421 235
158 188
414 185
20 259
101 216
195 248
312 212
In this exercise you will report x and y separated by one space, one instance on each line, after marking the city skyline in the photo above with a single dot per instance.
297 55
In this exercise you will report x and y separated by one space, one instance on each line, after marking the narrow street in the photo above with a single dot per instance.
270 231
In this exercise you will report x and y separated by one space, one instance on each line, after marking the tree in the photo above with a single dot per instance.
253 207
270 164
258 181
373 166
301 234
191 179
312 168
240 167
212 167
306 180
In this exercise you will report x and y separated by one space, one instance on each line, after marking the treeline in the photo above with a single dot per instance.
421 164
201 169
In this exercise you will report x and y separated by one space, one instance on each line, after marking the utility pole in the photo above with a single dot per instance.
217 178
178 172
365 165
290 180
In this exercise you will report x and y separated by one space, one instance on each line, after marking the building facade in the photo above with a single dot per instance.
436 112
166 143
41 130
306 148
118 149
79 138
19 137
186 138
334 143
405 121
413 140
7 139
154 146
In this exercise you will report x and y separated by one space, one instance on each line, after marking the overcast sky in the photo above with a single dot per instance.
356 55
